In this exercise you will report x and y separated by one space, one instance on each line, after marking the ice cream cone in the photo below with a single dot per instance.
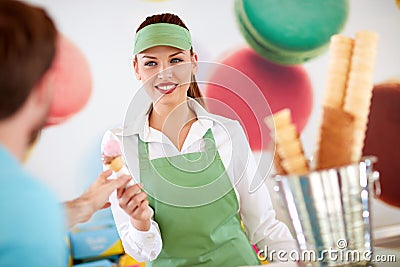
116 164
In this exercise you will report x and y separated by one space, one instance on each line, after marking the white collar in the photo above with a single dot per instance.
140 125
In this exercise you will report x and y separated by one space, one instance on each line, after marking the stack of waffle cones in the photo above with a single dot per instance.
347 99
289 155
346 104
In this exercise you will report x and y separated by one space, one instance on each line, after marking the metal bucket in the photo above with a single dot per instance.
329 212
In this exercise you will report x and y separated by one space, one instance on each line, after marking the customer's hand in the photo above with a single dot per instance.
94 198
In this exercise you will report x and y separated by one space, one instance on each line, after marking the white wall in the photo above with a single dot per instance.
67 158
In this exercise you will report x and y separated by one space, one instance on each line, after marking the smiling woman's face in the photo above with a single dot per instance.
165 73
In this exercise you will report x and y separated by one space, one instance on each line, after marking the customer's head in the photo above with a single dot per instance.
27 48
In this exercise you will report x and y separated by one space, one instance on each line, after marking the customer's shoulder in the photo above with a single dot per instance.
26 189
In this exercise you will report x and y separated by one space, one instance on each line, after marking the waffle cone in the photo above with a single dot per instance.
336 139
116 164
296 165
278 165
338 68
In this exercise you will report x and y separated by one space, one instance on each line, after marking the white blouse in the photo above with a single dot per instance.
255 208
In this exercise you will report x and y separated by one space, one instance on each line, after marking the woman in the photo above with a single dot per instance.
194 167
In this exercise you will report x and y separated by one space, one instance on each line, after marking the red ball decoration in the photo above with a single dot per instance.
382 138
246 100
72 81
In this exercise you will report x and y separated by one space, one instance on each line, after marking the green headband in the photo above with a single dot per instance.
162 34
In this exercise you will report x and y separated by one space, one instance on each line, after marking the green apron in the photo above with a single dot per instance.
196 209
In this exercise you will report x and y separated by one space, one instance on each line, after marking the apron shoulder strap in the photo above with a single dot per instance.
143 150
211 146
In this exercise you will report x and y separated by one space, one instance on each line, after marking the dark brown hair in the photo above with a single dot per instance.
27 48
194 90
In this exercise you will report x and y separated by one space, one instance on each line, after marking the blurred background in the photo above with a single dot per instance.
67 156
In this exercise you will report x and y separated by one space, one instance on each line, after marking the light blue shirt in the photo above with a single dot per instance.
32 231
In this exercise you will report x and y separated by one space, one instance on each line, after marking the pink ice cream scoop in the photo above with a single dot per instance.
113 160
112 149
